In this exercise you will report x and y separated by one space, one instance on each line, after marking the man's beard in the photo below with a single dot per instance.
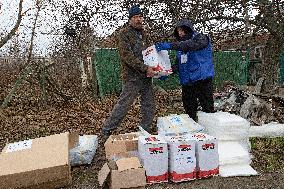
138 26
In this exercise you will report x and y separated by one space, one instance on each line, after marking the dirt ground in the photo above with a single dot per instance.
26 119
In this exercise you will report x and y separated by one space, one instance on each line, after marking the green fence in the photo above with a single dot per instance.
107 68
282 70
229 66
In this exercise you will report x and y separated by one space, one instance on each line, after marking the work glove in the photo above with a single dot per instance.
175 68
163 46
163 78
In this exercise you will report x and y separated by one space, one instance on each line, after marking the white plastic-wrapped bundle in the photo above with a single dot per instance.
236 170
232 152
85 150
234 146
224 126
268 130
173 125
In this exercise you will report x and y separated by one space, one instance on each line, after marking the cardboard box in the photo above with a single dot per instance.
37 163
159 60
153 152
128 173
281 91
182 161
123 145
207 157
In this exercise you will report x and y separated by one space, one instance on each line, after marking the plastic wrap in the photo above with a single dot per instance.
85 150
224 126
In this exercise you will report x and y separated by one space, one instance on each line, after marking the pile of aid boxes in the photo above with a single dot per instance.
178 153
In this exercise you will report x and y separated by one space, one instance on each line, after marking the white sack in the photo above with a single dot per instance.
85 150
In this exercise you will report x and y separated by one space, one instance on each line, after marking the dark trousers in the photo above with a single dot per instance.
130 91
200 91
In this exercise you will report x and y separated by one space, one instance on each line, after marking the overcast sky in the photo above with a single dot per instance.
8 16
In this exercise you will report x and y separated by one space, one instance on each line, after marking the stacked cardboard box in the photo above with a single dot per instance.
153 152
127 173
122 145
123 169
182 161
207 157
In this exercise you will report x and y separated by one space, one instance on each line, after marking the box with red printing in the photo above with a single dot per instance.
207 157
182 161
153 152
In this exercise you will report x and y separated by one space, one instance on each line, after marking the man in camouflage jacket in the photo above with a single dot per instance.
136 76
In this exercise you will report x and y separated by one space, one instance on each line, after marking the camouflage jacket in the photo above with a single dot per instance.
130 44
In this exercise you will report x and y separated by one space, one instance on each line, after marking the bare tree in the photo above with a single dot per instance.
7 37
27 70
75 25
237 19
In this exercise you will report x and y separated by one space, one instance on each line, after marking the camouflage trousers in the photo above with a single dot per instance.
130 91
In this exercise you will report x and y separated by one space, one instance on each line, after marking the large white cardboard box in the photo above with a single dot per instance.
153 152
174 124
207 157
182 161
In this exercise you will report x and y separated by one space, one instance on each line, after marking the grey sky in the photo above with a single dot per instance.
8 16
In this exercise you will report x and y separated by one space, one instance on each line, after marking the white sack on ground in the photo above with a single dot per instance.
268 130
236 170
85 150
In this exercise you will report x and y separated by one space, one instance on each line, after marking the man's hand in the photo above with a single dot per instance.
163 46
151 71
175 68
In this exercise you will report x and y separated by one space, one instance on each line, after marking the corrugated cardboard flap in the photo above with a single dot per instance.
128 163
103 174
121 144
73 139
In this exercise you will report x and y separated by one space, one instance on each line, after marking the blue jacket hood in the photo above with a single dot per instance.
183 23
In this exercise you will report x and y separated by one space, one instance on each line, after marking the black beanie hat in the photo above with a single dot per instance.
134 10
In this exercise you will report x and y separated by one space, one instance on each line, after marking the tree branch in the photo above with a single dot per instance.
15 28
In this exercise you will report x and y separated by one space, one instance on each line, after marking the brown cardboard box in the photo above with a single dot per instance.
37 163
281 91
129 174
121 145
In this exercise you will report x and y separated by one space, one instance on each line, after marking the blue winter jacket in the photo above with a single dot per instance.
194 56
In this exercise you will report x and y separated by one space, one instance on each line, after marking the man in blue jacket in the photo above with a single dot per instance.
195 67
